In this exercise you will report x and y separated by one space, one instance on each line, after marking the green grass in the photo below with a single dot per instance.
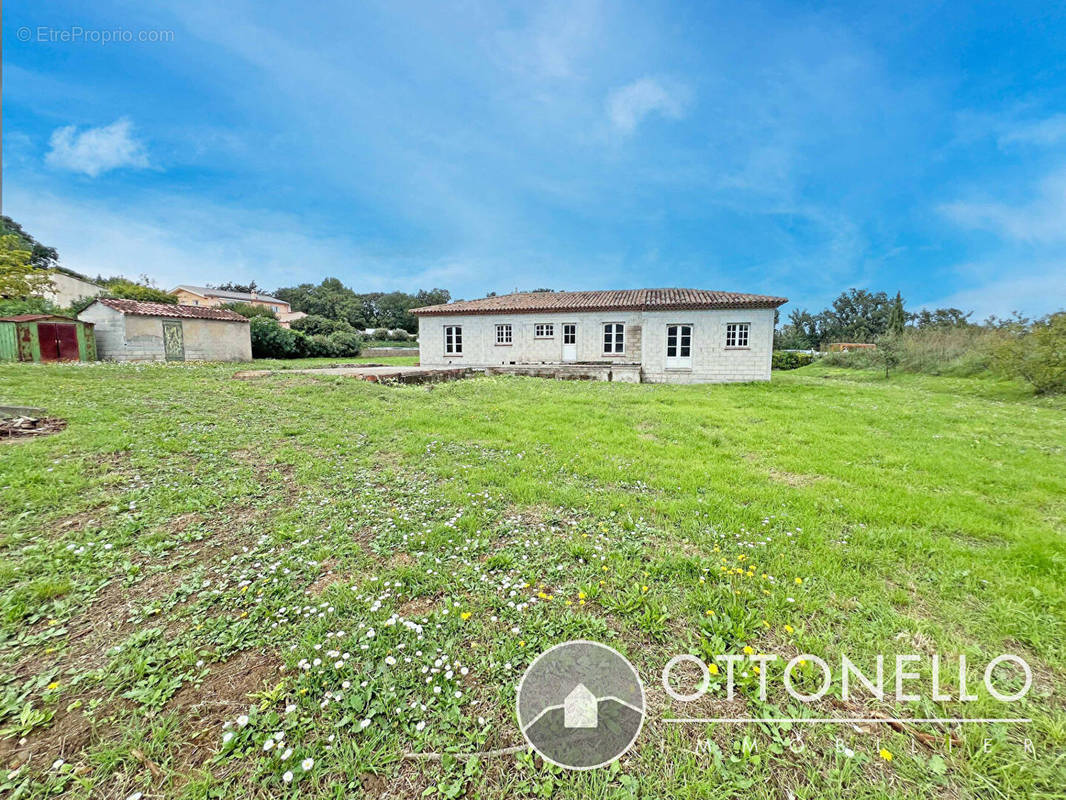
189 534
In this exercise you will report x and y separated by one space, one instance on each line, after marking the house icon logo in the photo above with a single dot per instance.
580 705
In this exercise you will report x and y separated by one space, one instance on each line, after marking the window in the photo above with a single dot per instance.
544 330
736 334
274 309
678 341
453 340
503 334
614 338
569 333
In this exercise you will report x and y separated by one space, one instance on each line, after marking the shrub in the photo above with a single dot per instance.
1036 354
314 324
128 290
270 340
380 334
346 343
249 310
786 360
399 335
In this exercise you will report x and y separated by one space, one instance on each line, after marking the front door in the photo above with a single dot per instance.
173 341
570 341
679 347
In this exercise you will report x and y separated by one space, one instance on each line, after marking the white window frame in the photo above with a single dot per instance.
453 340
544 330
682 355
504 334
737 335
617 341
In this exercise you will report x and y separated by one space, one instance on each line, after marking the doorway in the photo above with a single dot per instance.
173 341
679 347
570 341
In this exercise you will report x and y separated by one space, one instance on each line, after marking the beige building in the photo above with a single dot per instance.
129 330
650 335
212 298
69 286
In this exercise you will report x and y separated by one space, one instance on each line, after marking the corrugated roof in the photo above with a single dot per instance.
33 317
619 300
167 310
205 291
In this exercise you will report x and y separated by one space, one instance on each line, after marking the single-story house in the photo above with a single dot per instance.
129 330
652 335
46 337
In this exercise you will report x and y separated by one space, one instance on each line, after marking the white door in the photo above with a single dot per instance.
570 341
679 347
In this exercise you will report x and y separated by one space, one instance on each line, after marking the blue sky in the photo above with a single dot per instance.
795 149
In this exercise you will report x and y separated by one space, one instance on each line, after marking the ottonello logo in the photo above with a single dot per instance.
580 705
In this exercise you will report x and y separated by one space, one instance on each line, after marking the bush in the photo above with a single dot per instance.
128 290
313 324
957 351
248 310
270 340
346 343
786 360
399 335
1036 354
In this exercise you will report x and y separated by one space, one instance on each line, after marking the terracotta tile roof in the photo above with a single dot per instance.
622 300
169 310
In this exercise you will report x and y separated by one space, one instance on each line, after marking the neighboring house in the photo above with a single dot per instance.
68 286
129 330
653 335
286 318
212 298
46 337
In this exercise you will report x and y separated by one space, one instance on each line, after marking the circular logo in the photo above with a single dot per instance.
580 705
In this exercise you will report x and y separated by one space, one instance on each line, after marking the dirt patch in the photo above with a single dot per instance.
792 478
417 607
222 695
325 580
28 427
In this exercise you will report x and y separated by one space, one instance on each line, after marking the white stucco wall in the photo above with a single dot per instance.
66 289
645 342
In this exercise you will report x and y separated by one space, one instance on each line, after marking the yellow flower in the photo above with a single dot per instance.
709 613
644 588
887 756
466 615
522 643
569 602
581 602
748 649
789 629
604 567
53 685
542 596
712 668
755 668
799 580
765 624
581 595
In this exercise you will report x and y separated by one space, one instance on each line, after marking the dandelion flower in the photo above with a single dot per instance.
789 629
466 615
712 668
748 649
885 754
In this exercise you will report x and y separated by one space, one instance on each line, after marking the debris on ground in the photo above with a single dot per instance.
13 427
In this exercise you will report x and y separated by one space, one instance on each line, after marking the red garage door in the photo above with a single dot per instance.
59 342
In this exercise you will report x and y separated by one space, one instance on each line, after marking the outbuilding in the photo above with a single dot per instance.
46 337
634 335
131 330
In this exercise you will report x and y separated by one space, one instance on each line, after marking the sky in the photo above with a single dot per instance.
794 149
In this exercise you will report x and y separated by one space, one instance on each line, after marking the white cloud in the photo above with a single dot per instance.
630 104
1042 132
1031 289
94 151
1042 220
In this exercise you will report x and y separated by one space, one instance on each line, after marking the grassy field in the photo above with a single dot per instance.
301 586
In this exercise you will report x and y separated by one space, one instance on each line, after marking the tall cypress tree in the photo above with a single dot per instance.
897 318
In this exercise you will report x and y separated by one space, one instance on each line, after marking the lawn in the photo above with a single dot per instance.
315 586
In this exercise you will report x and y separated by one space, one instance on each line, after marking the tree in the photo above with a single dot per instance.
897 317
41 257
1035 353
126 289
229 286
19 278
941 318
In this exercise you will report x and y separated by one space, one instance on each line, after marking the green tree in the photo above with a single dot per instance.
897 317
1035 353
41 256
125 289
19 278
248 310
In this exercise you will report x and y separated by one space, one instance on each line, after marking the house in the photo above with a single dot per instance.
68 286
212 298
46 337
650 335
129 330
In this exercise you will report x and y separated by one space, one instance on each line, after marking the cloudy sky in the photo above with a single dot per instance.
784 148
